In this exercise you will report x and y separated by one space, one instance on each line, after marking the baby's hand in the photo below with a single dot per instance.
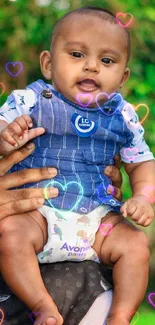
17 133
139 209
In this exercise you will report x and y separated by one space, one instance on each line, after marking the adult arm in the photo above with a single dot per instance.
22 200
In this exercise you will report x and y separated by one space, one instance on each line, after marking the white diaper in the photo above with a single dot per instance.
70 234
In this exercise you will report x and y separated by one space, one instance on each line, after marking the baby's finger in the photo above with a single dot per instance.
136 215
24 121
141 220
131 208
147 223
14 129
123 209
6 136
28 135
35 133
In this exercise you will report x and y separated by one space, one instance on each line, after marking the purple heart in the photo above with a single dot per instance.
34 315
108 97
150 297
9 64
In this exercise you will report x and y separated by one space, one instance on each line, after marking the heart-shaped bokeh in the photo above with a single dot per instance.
1 316
12 65
64 187
34 315
2 89
146 114
82 97
128 117
130 153
135 319
150 297
107 228
149 192
103 107
126 17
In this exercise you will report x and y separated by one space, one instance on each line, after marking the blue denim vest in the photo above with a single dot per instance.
80 158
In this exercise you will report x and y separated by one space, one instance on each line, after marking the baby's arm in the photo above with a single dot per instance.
142 180
16 134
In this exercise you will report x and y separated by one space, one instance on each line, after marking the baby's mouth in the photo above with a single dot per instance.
87 85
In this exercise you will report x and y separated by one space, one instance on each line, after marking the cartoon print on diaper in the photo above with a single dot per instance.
84 219
83 236
46 253
57 231
90 255
59 216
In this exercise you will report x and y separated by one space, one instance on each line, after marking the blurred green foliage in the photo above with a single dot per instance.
25 30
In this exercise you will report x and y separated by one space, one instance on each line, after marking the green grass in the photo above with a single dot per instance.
146 316
146 311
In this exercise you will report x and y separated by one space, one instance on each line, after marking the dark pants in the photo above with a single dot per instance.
74 287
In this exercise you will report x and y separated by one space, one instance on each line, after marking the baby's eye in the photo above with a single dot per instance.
77 54
107 60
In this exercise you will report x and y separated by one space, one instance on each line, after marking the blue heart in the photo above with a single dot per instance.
52 182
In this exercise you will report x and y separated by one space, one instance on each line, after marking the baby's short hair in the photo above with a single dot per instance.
102 13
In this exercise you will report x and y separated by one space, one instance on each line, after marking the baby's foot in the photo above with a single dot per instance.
47 313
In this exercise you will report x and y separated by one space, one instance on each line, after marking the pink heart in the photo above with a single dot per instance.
106 225
84 96
146 193
127 152
3 88
34 315
150 298
124 15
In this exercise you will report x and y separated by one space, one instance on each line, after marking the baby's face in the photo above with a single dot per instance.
89 57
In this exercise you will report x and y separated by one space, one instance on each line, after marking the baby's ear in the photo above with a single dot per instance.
46 64
125 77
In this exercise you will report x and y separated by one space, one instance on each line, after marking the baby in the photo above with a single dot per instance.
81 122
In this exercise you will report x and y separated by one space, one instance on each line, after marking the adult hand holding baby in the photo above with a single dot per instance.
25 199
113 172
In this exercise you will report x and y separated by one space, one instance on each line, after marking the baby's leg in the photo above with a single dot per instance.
21 237
125 248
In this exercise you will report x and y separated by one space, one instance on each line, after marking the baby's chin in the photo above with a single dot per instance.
89 100
85 99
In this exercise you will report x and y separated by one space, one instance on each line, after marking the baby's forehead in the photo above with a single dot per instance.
89 27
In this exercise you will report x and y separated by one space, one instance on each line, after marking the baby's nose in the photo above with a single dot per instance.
91 65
